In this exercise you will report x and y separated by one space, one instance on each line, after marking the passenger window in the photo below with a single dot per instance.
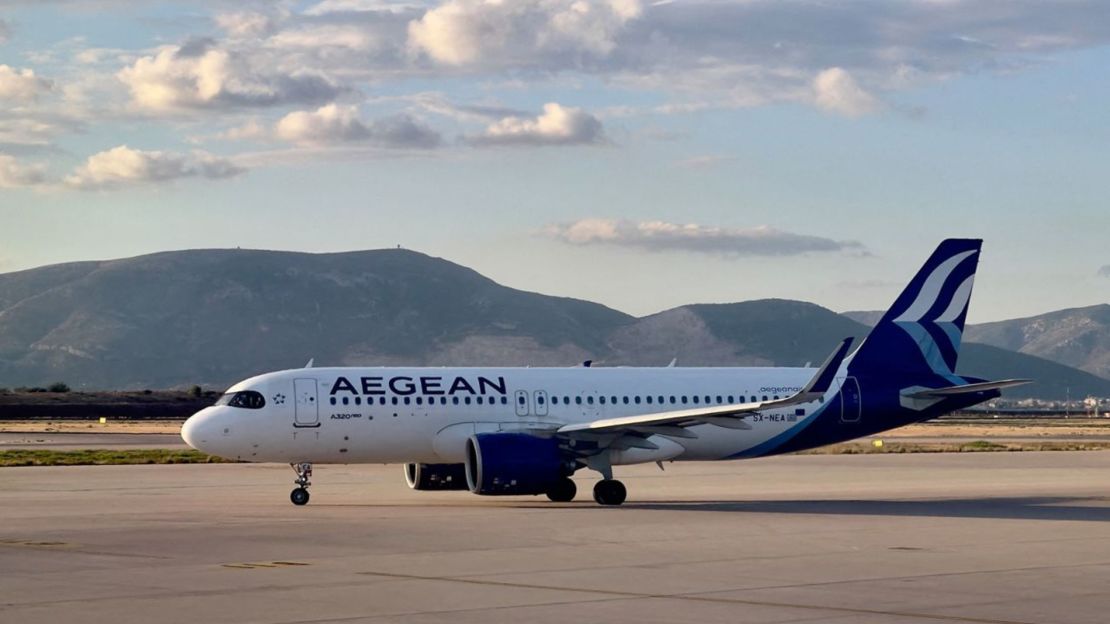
332 401
695 398
504 401
672 399
455 400
479 400
466 400
540 400
601 400
578 400
626 400
590 400
636 399
408 401
684 400
346 400
520 399
730 399
395 400
419 400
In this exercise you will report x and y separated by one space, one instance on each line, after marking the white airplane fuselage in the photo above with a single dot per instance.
401 415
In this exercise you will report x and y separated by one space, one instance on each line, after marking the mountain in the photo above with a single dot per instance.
1076 337
212 317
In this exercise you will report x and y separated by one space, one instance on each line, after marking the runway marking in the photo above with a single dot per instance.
270 564
32 543
693 597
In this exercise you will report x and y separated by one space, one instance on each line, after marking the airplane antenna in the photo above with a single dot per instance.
673 362
311 361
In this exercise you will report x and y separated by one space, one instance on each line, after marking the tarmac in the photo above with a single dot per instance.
954 537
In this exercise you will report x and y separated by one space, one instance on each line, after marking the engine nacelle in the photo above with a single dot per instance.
514 463
436 476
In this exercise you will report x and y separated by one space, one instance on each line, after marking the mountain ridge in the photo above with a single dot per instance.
214 316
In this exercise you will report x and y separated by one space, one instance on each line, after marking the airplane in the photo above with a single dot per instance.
526 431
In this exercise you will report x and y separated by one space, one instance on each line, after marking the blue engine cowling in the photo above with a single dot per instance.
514 463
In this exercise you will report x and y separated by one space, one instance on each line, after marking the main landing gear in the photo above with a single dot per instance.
299 496
609 492
563 491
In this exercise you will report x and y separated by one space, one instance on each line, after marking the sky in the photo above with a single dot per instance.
643 155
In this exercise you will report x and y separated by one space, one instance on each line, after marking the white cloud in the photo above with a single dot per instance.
324 36
15 174
341 124
201 74
122 165
691 237
554 32
246 24
557 125
21 85
836 91
328 7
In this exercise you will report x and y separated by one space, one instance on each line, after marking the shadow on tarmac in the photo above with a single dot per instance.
1071 509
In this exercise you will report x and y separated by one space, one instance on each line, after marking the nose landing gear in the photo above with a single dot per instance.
299 496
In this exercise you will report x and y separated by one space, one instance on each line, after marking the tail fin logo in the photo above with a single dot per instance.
938 335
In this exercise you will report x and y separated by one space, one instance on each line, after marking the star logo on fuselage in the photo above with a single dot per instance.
279 399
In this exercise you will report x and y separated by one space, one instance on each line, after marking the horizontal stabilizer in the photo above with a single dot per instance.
967 388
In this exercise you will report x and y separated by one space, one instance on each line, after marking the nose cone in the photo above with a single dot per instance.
197 428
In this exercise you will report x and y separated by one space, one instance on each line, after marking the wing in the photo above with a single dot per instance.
674 423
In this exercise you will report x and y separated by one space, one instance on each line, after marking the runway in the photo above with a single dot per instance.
975 537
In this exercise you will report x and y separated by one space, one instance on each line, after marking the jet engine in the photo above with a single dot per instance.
436 476
514 463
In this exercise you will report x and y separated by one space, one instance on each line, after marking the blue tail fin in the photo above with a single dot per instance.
920 334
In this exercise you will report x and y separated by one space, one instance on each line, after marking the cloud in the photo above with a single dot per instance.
836 91
549 32
123 166
557 125
341 124
246 24
1104 271
201 74
691 237
21 85
14 174
328 7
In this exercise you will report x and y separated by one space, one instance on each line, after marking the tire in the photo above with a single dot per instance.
299 496
563 491
609 492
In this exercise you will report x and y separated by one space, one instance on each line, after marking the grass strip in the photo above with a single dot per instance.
974 446
91 457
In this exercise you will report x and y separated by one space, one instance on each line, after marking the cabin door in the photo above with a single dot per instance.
850 403
308 408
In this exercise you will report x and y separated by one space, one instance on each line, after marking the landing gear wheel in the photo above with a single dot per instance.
609 492
299 496
563 491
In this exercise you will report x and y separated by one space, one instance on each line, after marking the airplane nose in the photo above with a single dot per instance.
193 431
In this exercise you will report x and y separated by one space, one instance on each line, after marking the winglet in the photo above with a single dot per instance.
310 363
824 377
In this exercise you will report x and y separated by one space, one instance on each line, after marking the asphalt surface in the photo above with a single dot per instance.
56 441
986 537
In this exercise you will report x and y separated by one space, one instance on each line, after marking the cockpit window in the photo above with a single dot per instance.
248 399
